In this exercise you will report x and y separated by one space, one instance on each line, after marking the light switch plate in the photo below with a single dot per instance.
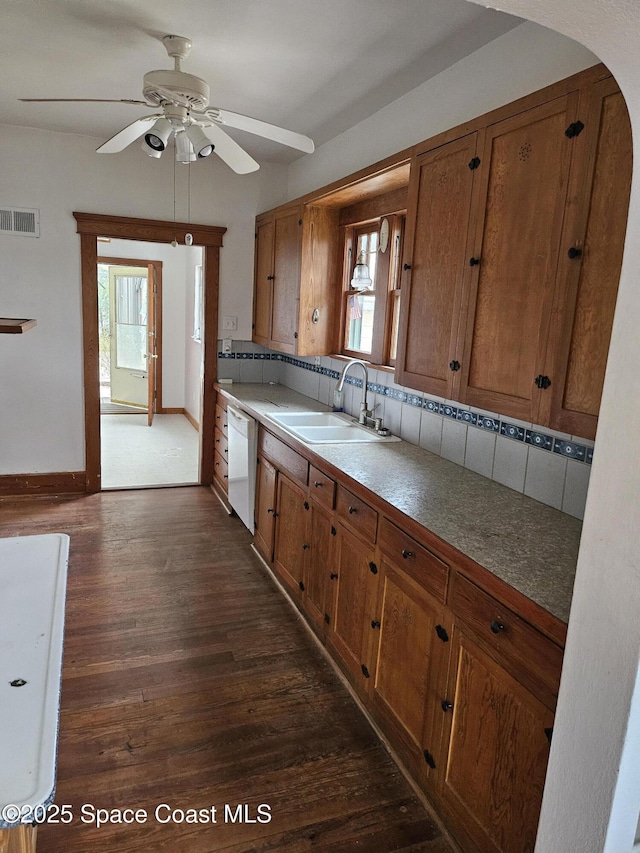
229 323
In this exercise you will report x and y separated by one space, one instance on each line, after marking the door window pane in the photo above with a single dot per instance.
131 299
131 346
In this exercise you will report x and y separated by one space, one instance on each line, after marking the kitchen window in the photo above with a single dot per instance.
371 306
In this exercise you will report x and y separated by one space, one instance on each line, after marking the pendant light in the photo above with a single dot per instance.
361 276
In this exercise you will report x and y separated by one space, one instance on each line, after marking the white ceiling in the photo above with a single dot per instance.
314 66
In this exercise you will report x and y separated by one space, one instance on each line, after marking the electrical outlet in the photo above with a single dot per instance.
229 323
226 345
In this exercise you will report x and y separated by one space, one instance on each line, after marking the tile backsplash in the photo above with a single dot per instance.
550 466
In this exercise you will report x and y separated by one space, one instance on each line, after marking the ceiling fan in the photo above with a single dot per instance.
185 113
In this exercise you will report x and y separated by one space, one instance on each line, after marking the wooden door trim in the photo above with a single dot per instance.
157 265
90 226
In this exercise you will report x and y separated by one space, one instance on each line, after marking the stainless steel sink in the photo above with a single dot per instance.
327 428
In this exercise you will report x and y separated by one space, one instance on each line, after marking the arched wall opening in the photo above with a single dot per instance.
592 793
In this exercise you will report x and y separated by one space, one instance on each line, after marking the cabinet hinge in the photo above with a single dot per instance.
306 504
574 129
295 334
442 634
334 532
429 759
474 163
365 671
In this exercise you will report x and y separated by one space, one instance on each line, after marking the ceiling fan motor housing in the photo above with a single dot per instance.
176 87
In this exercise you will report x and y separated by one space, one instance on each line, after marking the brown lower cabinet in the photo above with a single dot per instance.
462 686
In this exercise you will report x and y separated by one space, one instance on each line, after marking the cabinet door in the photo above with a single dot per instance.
411 663
588 282
319 565
525 169
290 534
263 283
437 255
265 508
286 281
497 755
354 588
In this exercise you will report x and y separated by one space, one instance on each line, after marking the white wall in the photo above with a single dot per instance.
41 385
193 350
522 61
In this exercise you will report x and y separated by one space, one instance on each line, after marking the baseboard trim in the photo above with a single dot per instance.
194 423
170 412
60 483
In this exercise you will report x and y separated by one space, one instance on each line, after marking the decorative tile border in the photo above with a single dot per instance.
516 432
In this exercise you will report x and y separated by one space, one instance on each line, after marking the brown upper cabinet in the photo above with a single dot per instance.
294 272
512 252
514 246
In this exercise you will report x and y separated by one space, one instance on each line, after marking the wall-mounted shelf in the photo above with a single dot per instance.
11 326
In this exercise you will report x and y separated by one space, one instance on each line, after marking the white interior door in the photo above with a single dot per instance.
128 299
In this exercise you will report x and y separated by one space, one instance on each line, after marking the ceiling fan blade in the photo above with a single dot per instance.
83 101
268 131
228 150
127 135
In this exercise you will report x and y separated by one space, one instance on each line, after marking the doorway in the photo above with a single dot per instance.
90 227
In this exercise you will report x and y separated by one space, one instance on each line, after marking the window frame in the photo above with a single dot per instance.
386 287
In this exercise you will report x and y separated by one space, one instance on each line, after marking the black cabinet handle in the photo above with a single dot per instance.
306 504
305 547
333 576
574 252
496 627
301 585
454 365
542 381
373 568
473 262
442 633
327 618
271 510
406 266
406 554
375 623
352 510
446 705
317 484
270 277
429 759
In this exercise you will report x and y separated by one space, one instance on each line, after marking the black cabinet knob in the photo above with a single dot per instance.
406 554
333 576
306 504
270 277
301 585
272 510
542 381
305 547
373 568
406 266
496 627
446 705
317 484
574 252
352 510
473 262
375 623
454 365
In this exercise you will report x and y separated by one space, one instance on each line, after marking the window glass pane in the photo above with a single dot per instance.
367 244
131 345
395 317
198 305
131 299
360 310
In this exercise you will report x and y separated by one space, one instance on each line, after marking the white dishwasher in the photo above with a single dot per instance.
241 457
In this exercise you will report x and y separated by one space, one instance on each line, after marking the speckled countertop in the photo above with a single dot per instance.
530 546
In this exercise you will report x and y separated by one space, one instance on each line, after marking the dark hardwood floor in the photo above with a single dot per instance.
188 681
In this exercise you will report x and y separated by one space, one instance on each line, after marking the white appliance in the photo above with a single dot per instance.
241 457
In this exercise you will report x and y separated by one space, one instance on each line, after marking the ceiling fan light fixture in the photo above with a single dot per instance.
184 151
202 145
156 139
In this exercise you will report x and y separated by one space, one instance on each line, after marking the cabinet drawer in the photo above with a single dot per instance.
220 442
356 514
220 469
221 402
283 457
428 570
221 419
321 487
532 654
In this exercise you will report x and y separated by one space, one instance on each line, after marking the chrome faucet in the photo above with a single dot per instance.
365 412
